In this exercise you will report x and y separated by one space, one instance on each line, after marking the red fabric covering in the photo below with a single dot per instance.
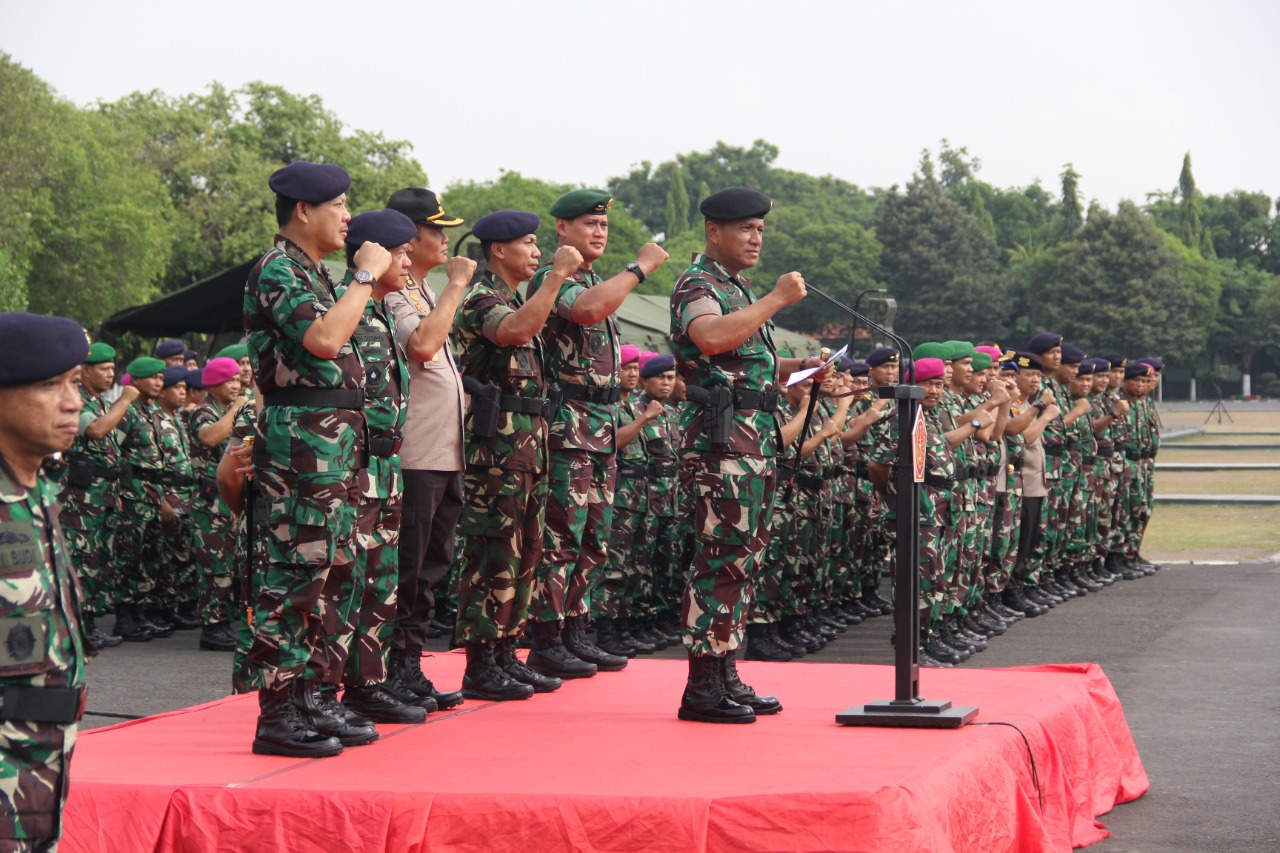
603 764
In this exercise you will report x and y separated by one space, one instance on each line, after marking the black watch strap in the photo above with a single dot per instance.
634 268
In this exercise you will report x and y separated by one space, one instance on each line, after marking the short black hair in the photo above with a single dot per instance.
284 210
351 256
485 247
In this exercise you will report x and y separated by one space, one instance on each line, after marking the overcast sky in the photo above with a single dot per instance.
578 92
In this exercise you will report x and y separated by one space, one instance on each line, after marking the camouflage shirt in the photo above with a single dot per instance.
140 447
204 460
104 451
386 394
580 355
707 288
631 491
940 465
175 446
661 439
520 442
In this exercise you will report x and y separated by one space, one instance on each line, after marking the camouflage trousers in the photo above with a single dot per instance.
776 583
137 553
840 559
1002 549
955 577
502 528
176 579
1140 504
361 615
1052 520
34 777
877 544
1122 476
579 514
620 590
215 548
937 553
732 499
310 535
87 522
662 546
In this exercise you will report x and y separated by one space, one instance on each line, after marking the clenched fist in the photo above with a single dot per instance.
460 269
654 410
790 288
566 261
650 257
373 258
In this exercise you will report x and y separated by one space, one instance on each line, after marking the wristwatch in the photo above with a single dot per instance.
1039 404
364 277
976 424
634 268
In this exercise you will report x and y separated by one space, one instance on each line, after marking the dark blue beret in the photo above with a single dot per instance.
310 182
656 365
1071 354
1088 367
859 368
1043 342
1157 364
1100 364
735 203
1134 369
34 347
882 355
190 354
503 225
388 228
173 374
195 378
170 348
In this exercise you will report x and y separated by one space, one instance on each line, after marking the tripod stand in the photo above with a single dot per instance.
1219 408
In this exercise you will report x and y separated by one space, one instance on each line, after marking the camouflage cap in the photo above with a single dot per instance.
578 202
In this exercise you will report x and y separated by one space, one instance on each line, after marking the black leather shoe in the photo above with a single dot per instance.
574 638
796 650
127 626
483 678
743 694
761 646
184 618
282 729
627 632
322 711
508 662
97 637
380 706
705 698
941 652
549 656
410 661
610 639
154 622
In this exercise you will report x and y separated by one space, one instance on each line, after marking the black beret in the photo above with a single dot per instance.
388 228
1115 359
34 347
1043 342
882 355
503 225
422 205
1028 361
1134 369
735 203
170 348
1071 354
656 365
173 374
859 368
1088 367
195 378
310 182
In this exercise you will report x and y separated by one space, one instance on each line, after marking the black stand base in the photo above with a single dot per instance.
918 714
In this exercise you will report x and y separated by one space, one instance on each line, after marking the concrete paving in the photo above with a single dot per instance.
1192 652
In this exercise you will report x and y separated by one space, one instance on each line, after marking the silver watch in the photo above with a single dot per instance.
364 277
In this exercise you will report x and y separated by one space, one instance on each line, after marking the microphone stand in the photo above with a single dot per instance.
907 709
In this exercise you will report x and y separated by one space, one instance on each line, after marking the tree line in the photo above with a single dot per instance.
112 204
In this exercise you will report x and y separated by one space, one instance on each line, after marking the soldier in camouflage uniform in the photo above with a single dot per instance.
42 644
214 543
505 480
137 534
307 455
869 536
175 594
1041 589
1139 445
91 487
1106 409
581 344
725 353
659 543
1002 550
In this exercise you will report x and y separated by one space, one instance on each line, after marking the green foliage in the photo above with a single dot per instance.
1071 217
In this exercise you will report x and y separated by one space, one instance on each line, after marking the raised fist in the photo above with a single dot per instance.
1051 411
790 288
460 269
1082 406
654 410
999 393
566 261
650 257
129 393
1047 397
1121 408
373 258
984 417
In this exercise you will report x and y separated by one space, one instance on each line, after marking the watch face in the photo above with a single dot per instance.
364 276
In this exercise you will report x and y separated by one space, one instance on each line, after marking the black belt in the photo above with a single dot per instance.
1088 458
862 470
1133 454
112 473
316 398
759 401
1016 464
631 471
385 446
42 704
1054 451
660 469
1107 453
835 471
592 393
149 475
937 481
809 481
524 405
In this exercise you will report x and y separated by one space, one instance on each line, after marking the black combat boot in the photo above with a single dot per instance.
283 730
649 632
871 598
398 687
627 632
127 625
933 646
742 693
97 637
484 679
793 631
761 646
705 698
150 618
504 654
549 656
796 650
184 618
321 710
382 706
217 638
417 682
576 641
610 640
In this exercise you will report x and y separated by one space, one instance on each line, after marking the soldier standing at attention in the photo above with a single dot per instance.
214 545
725 353
92 487
505 481
432 452
309 446
42 646
581 344
175 594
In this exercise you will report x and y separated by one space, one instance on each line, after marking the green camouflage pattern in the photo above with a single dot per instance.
86 511
215 542
176 579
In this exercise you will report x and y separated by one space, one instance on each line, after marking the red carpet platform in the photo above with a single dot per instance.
603 764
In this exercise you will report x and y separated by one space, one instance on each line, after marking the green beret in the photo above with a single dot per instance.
144 366
577 202
234 351
960 349
981 361
932 349
100 353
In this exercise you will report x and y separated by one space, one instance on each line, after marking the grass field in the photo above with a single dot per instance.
1243 420
1217 483
1212 533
